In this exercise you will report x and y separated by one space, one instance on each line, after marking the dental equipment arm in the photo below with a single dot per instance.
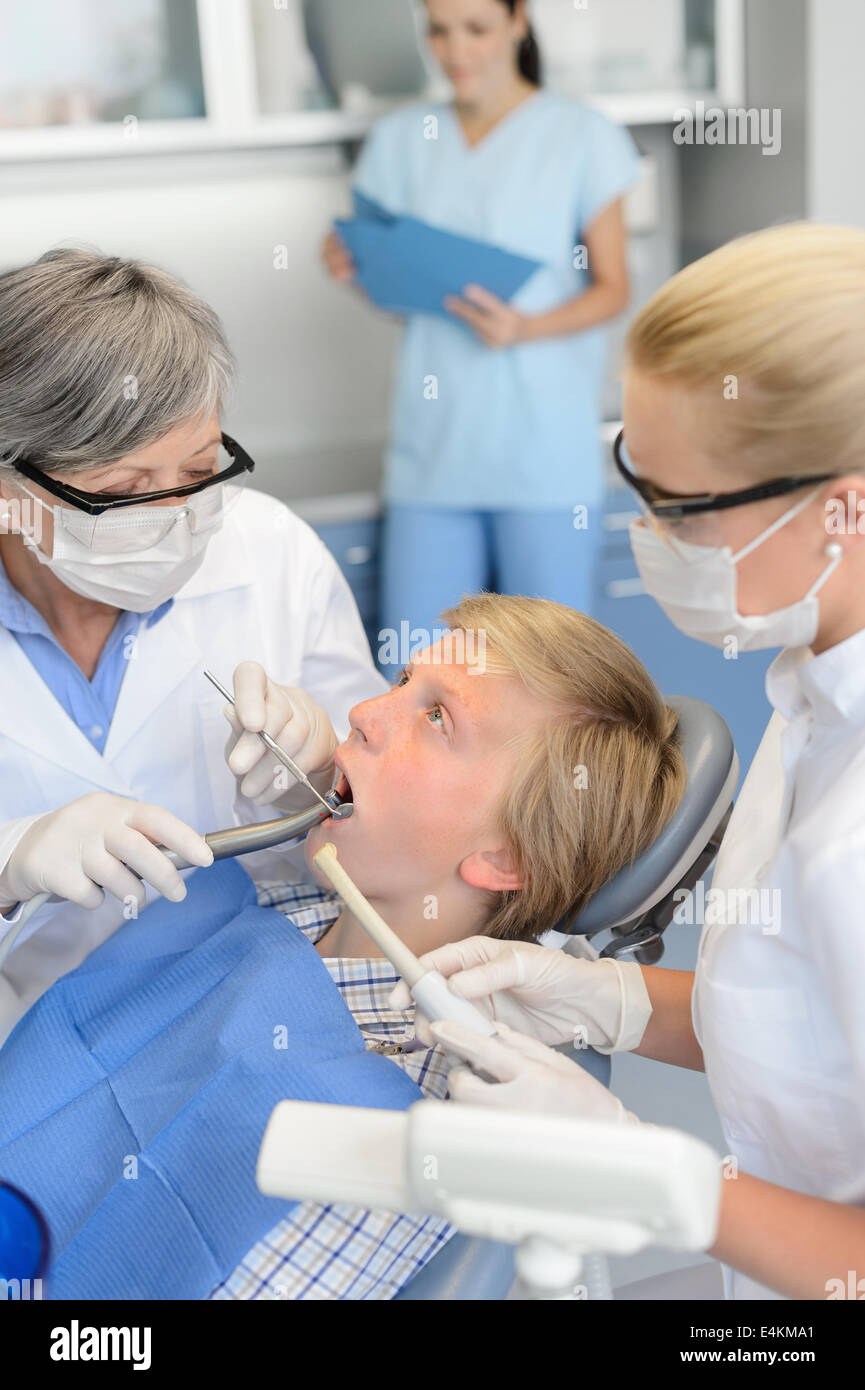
428 988
559 1188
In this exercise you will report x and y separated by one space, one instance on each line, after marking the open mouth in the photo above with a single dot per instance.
343 788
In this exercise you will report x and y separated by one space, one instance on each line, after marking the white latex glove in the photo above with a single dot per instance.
543 992
293 720
528 1076
101 841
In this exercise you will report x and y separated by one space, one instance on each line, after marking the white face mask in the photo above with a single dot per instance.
696 587
135 557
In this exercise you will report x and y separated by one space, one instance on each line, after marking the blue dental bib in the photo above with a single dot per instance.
135 1093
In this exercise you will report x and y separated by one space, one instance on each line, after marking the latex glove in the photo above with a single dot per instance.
101 841
545 993
293 719
528 1076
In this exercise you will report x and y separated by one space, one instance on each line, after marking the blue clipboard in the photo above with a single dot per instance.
408 266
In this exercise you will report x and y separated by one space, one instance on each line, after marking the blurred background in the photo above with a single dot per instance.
201 135
210 135
206 135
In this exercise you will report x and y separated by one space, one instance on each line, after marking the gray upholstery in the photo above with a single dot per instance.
713 769
466 1270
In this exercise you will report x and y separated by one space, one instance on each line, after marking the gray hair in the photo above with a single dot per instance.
100 357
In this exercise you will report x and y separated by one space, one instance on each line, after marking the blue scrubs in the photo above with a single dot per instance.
514 430
89 703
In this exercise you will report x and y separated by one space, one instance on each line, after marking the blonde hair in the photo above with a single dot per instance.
783 312
598 781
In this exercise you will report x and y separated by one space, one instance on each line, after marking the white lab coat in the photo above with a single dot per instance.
268 591
779 1009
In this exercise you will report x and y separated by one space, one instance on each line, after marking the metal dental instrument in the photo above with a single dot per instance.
429 989
236 840
226 844
246 839
335 807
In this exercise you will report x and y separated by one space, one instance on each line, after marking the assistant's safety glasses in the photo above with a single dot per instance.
664 505
95 503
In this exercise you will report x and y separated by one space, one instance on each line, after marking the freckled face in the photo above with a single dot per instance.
428 764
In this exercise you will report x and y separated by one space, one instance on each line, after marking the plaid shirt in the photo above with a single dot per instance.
328 1252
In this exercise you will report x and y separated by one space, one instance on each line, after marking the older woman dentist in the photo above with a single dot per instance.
132 556
744 438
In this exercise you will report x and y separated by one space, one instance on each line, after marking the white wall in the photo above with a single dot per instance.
836 131
728 190
314 363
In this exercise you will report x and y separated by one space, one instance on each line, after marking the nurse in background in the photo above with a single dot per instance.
494 439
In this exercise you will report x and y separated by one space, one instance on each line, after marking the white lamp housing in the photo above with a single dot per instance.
584 1185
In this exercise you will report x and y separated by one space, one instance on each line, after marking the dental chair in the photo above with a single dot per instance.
634 907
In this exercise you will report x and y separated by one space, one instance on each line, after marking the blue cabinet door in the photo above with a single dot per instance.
354 545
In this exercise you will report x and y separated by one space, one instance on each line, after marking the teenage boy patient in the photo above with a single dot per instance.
513 768
515 765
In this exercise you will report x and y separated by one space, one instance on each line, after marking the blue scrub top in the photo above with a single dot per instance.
514 427
89 703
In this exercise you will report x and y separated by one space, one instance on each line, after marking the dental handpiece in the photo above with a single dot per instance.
429 988
247 839
225 844
332 803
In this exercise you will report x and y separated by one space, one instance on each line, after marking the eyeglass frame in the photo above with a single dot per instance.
86 501
669 504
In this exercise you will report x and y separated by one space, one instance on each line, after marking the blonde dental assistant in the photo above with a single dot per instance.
752 532
133 554
482 480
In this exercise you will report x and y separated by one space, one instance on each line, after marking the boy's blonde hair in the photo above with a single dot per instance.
776 320
598 782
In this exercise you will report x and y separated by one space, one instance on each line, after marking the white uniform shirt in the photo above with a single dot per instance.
779 993
269 591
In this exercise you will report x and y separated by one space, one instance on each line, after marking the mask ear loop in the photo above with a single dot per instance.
833 550
776 526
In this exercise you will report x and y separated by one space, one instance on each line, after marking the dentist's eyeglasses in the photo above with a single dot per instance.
233 465
667 505
693 517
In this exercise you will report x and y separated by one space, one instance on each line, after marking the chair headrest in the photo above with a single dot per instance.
712 773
